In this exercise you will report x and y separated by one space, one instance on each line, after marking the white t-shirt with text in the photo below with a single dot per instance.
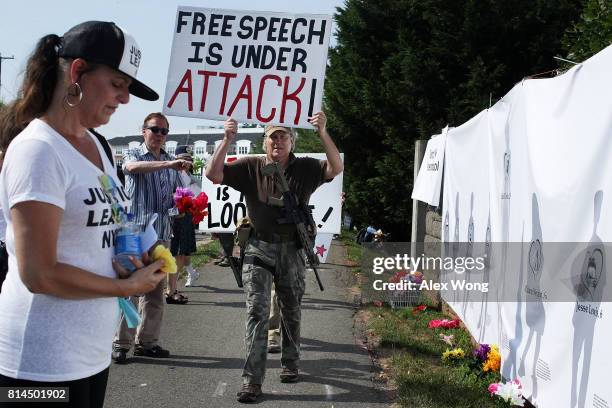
43 337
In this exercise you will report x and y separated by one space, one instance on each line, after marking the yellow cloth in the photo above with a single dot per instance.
161 252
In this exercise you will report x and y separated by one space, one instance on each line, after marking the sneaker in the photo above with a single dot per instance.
249 393
289 376
218 261
155 351
224 262
119 355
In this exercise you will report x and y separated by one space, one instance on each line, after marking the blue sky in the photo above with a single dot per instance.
149 21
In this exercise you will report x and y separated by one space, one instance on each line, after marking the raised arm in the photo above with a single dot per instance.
334 162
214 169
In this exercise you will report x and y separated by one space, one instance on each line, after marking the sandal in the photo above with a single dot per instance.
176 298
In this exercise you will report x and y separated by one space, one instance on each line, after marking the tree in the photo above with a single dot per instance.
308 141
592 33
403 69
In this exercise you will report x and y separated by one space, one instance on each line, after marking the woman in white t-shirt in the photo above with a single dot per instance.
58 306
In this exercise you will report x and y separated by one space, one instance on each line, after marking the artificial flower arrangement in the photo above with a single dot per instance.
187 203
511 392
398 276
408 294
444 324
415 277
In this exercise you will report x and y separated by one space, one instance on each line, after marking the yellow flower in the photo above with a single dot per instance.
454 354
493 362
161 252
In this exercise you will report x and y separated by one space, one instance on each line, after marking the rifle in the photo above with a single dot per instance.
235 265
294 214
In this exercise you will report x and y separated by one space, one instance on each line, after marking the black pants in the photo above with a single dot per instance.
84 393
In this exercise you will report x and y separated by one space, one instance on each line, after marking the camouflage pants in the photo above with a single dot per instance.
283 264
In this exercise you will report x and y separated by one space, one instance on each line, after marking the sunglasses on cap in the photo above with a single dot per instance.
157 129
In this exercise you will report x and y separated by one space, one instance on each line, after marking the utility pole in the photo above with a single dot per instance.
1 59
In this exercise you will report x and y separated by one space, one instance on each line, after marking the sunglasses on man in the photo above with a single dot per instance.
157 129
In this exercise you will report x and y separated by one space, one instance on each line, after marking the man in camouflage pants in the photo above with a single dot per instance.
273 253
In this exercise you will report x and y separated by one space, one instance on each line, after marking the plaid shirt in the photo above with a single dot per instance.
152 193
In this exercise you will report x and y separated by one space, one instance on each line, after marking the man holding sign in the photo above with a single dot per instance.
273 253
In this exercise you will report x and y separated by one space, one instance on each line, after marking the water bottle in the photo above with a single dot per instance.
128 244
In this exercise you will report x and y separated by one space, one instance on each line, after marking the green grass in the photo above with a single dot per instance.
353 249
205 253
422 378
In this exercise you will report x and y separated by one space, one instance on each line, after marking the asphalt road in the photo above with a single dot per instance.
205 338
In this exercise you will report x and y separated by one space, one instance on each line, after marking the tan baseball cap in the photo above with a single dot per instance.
273 128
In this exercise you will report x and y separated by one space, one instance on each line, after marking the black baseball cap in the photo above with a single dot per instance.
102 42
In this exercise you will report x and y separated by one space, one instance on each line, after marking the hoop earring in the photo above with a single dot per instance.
74 90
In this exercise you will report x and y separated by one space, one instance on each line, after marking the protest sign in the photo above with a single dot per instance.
226 205
257 67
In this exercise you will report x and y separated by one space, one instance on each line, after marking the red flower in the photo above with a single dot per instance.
199 208
184 204
418 309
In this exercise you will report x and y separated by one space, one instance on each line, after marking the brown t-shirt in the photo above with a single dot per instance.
303 174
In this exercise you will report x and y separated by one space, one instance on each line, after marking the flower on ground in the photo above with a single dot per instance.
493 388
161 252
511 391
454 354
482 352
444 324
448 339
418 309
493 361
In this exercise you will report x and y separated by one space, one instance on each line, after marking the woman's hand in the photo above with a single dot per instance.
145 278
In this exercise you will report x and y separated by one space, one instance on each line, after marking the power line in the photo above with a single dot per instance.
1 59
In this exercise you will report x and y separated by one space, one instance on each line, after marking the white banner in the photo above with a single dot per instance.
428 184
547 144
257 67
466 218
226 205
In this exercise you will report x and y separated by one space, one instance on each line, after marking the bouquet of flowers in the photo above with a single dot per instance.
187 203
444 324
511 392
398 276
407 295
493 360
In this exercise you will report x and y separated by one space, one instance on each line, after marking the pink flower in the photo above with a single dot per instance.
445 324
493 388
182 192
